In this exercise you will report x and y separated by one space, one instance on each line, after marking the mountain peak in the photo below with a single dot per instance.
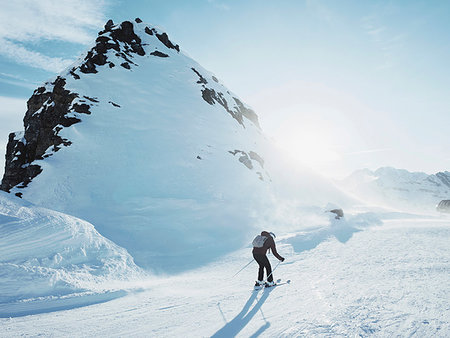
135 133
123 42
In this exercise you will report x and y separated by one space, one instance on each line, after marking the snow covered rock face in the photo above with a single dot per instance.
399 188
46 115
46 253
151 148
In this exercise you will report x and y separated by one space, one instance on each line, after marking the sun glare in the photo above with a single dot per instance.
309 144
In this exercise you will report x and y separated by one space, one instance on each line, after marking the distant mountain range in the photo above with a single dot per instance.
399 188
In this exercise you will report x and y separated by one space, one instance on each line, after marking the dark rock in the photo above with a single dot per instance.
137 48
199 158
443 206
246 161
109 25
92 99
339 213
247 158
138 20
158 53
81 108
74 75
247 112
40 90
114 104
202 79
125 65
124 33
149 31
209 95
238 112
41 133
164 38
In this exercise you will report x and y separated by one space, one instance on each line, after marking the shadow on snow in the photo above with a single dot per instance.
340 230
237 324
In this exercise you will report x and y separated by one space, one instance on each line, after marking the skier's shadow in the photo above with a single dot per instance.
232 328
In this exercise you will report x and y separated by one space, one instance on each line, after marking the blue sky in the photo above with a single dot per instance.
340 85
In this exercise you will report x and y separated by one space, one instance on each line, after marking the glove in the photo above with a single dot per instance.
282 259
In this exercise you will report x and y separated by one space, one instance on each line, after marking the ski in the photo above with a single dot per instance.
279 282
282 283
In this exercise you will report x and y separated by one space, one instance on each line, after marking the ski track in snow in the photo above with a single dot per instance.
387 280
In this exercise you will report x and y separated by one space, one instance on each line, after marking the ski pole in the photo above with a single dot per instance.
243 268
273 270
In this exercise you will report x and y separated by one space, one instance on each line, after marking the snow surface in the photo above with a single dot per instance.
46 255
389 279
156 175
156 179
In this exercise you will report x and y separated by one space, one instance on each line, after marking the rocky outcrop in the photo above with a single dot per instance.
53 107
236 109
50 109
158 53
443 206
249 159
125 43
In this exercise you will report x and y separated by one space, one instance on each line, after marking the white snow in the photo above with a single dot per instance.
45 254
374 283
153 182
134 173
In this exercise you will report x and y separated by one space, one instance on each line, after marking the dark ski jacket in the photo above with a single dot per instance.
268 244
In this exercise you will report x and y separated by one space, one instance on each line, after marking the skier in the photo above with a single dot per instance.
261 244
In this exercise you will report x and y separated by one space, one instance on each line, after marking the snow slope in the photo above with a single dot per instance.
46 255
155 152
387 280
153 165
398 188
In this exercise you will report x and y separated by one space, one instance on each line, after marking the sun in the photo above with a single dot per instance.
308 142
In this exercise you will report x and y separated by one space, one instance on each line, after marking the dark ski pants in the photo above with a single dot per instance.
263 262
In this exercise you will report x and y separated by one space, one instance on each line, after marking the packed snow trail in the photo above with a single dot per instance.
386 280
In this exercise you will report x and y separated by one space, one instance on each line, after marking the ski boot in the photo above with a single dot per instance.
269 284
259 284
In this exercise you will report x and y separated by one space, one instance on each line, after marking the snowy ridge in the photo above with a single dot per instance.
45 253
399 188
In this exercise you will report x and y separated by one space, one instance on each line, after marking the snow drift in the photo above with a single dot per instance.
46 253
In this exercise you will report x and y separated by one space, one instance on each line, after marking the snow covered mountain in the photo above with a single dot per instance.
141 141
153 150
399 188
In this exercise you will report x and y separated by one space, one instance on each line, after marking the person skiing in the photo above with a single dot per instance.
261 244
